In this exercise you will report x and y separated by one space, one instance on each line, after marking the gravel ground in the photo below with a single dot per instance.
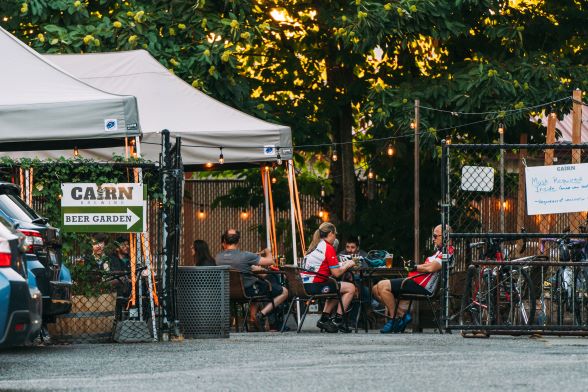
306 361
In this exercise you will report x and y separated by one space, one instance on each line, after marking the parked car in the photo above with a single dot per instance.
43 252
20 307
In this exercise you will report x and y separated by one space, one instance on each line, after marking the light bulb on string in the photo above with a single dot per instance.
321 213
76 152
412 125
208 165
501 128
370 174
201 213
334 157
221 157
322 191
390 150
274 180
278 156
244 214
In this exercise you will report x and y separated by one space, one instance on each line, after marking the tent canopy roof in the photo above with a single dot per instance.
43 106
167 102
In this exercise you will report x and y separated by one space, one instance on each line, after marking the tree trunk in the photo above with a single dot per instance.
344 180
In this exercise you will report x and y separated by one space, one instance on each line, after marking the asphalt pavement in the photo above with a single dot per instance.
307 361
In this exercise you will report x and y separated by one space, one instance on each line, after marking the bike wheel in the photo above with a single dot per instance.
581 297
476 302
559 296
519 297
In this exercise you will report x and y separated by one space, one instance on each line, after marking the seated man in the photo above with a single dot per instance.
424 280
120 266
246 263
352 248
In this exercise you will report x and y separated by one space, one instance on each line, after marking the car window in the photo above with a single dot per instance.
15 208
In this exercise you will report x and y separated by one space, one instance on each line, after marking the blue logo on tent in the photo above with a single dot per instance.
110 124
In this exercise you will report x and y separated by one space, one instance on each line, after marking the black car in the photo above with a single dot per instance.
43 251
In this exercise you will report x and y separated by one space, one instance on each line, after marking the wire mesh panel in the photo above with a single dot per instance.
91 320
203 301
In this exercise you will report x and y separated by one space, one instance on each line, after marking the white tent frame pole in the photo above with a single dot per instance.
293 223
264 173
145 236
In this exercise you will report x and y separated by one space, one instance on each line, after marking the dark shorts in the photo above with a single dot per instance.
262 288
320 288
410 287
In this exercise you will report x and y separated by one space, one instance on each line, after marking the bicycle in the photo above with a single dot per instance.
568 287
497 295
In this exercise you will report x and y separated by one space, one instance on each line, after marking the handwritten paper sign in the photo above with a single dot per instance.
557 189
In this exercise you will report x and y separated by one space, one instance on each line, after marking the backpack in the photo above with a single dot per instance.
376 258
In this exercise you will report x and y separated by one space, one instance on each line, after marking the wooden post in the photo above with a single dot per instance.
576 219
417 118
545 224
417 226
521 193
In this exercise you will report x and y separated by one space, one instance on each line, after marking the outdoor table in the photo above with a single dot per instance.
368 274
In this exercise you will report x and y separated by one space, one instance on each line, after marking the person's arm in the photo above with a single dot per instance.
430 267
267 258
339 270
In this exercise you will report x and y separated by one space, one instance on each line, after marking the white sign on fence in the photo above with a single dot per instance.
557 189
108 208
477 178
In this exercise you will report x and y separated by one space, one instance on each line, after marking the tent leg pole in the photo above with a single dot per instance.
293 223
265 179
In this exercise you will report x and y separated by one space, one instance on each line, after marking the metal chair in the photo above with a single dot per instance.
298 292
430 298
239 296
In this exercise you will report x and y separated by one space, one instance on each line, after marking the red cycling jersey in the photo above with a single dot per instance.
320 260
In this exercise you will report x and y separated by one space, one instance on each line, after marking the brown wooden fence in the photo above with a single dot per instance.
210 225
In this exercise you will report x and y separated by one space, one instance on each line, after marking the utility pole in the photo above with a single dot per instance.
417 117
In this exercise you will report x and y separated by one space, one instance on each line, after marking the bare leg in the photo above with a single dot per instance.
384 290
277 301
330 305
347 293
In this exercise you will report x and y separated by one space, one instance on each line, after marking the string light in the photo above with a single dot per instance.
76 152
412 125
390 150
501 128
221 157
322 191
278 156
201 214
334 157
321 213
244 214
370 174
274 180
208 165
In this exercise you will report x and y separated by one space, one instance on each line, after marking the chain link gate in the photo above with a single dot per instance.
523 273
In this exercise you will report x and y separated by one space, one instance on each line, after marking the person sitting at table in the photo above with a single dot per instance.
352 248
422 279
246 263
321 258
201 254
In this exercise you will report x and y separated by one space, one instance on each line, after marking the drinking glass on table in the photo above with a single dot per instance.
389 257
356 259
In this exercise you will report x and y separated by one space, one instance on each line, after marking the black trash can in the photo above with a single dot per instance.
204 302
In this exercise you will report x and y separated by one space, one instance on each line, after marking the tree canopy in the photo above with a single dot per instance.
344 72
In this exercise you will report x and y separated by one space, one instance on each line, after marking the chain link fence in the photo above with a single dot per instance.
515 270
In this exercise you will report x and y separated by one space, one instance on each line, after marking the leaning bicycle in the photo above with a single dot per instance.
497 294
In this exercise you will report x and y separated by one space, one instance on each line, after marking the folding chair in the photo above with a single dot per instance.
239 296
298 292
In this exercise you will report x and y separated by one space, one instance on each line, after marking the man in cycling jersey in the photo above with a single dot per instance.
422 279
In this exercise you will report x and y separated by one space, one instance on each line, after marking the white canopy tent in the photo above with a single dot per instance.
43 107
167 102
565 126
